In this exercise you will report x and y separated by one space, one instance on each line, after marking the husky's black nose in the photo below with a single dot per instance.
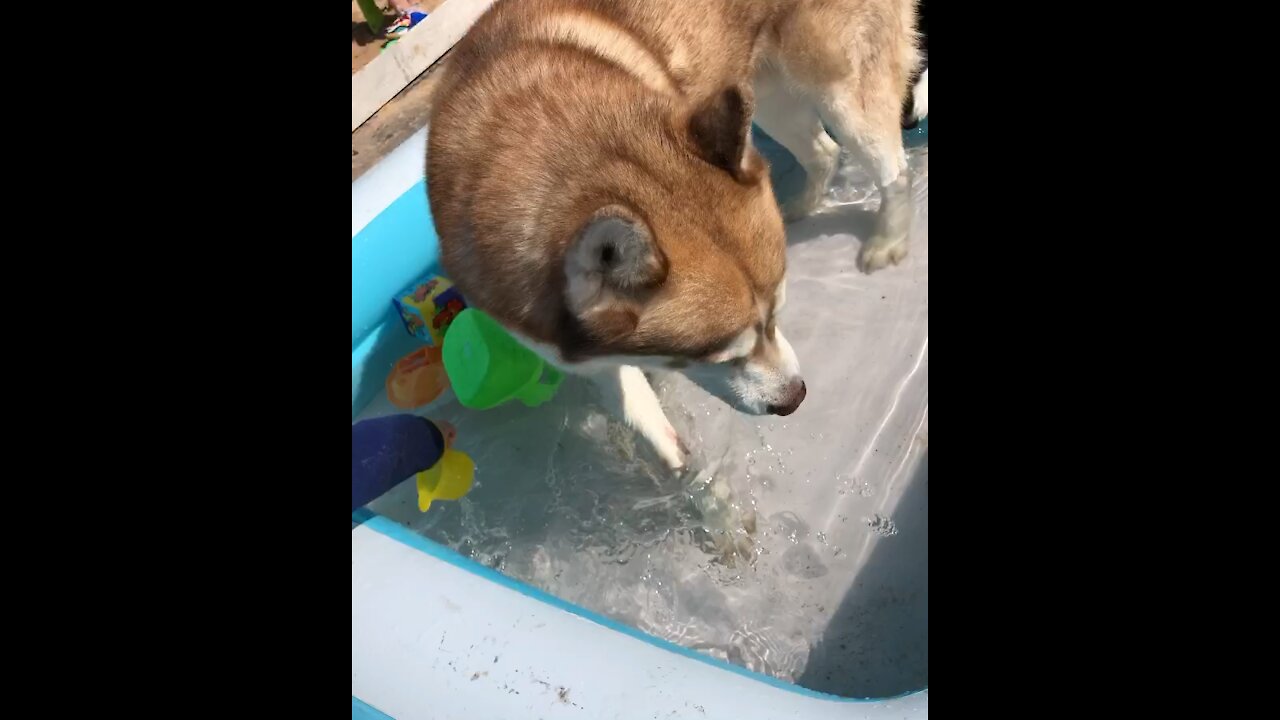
794 398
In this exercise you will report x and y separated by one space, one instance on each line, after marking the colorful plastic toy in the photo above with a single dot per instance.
488 367
428 308
417 378
406 21
448 479
386 451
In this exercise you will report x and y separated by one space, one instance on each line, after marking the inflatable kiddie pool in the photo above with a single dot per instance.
840 518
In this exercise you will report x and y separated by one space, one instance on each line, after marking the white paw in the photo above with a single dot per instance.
802 205
881 252
670 448
920 106
818 176
641 410
815 189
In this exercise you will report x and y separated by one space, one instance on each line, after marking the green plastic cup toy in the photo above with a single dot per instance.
487 367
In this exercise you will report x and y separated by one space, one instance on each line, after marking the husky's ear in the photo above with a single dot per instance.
612 257
720 129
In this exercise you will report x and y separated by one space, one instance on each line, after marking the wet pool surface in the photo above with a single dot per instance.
793 546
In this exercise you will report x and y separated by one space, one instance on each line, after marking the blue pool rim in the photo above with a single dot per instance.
361 710
403 535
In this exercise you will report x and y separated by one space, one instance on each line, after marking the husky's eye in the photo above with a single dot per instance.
736 351
779 300
722 358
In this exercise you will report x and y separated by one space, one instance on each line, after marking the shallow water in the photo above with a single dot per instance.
794 546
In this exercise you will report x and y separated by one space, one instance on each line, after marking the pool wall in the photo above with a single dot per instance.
436 635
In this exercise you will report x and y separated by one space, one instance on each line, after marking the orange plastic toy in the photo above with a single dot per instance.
417 379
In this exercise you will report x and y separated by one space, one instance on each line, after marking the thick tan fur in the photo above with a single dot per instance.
592 179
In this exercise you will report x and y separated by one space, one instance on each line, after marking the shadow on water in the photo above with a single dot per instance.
877 643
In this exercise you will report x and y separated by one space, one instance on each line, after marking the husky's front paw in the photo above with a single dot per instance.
671 449
803 205
888 243
882 251
642 411
818 176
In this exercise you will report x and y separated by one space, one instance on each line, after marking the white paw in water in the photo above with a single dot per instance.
672 449
803 205
881 252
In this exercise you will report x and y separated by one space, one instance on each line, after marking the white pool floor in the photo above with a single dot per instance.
797 546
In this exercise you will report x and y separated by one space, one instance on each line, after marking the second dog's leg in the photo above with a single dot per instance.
872 127
793 122
630 396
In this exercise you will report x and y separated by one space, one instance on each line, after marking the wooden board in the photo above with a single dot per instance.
390 72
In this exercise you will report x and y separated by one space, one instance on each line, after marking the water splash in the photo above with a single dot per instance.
881 525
